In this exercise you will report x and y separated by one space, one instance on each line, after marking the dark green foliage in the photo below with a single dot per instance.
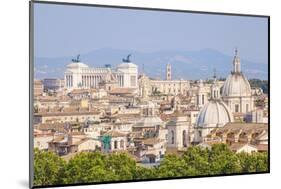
47 168
260 84
88 167
256 162
96 167
145 173
172 166
223 160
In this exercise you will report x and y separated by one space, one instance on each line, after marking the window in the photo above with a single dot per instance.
236 107
184 139
247 107
202 99
115 144
122 144
200 133
172 137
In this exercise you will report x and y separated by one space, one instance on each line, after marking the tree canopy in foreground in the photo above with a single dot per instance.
89 167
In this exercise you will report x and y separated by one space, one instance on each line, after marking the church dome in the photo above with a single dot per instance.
214 114
236 84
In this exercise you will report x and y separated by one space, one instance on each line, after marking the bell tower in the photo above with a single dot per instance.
168 72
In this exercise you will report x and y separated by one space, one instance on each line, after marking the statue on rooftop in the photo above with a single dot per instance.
77 59
127 59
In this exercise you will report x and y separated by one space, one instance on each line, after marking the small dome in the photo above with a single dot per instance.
77 65
214 114
236 84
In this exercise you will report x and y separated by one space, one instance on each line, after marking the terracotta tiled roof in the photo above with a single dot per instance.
50 126
122 91
79 91
65 111
151 141
262 147
113 133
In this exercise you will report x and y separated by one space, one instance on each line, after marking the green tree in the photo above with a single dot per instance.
91 167
97 167
223 160
197 160
255 162
145 173
47 168
121 165
86 167
172 166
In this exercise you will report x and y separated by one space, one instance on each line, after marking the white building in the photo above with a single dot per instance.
202 94
178 132
170 87
80 75
148 86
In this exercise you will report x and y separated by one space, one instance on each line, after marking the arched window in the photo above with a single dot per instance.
172 137
184 143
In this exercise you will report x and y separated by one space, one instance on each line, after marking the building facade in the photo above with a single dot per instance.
80 75
178 132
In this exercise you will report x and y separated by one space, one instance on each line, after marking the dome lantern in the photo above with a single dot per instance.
236 63
215 89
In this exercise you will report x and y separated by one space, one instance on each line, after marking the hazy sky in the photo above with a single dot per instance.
69 30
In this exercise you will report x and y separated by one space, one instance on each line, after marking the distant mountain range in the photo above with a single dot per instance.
185 64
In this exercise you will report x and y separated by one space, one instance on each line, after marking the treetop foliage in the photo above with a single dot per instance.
89 167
